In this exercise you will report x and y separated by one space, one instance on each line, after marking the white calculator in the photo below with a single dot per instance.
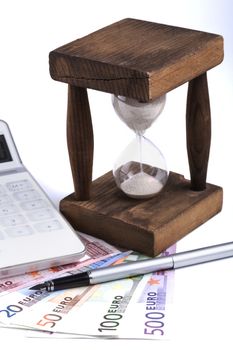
33 234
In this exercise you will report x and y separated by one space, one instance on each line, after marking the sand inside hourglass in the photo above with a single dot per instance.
141 185
140 171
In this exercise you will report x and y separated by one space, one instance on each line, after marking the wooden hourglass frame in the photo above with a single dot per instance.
141 60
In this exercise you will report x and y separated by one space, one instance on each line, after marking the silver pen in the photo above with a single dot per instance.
106 274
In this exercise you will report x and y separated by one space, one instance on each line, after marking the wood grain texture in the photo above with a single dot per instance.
80 141
198 131
135 58
148 226
142 60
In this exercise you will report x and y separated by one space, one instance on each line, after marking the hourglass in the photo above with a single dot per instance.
140 171
139 205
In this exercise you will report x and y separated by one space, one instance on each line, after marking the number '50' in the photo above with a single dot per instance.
49 319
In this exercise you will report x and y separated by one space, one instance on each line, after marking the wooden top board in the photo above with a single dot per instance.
137 59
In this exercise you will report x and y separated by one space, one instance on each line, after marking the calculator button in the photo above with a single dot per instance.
16 186
51 225
19 231
37 204
12 220
1 190
26 195
42 214
4 199
8 208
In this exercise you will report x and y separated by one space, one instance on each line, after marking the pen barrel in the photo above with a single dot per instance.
203 255
130 269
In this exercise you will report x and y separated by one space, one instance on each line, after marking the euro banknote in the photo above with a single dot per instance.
96 250
25 299
138 307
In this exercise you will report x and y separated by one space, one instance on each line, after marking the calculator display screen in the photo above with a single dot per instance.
5 155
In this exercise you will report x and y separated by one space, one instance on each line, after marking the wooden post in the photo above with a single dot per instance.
198 131
80 141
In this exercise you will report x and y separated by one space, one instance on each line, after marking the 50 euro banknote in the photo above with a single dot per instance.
136 307
25 299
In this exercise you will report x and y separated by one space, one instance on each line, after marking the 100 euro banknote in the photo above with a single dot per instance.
136 307
21 301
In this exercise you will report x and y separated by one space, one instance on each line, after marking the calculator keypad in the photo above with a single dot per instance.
24 209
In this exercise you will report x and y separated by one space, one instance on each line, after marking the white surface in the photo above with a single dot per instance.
35 107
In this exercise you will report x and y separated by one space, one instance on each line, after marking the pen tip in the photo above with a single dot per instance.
38 287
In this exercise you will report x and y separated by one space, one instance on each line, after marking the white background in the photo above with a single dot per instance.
35 108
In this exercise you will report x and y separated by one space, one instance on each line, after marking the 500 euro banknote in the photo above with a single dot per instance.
137 307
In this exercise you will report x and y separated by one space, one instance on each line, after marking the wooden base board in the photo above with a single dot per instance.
147 226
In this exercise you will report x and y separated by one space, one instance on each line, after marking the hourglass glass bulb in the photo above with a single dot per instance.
140 171
138 116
